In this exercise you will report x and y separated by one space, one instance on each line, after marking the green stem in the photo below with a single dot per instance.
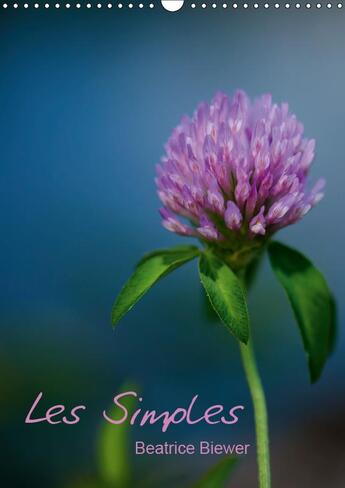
260 414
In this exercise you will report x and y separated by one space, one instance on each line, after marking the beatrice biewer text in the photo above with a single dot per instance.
202 447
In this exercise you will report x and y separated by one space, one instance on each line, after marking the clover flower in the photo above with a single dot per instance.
236 171
233 174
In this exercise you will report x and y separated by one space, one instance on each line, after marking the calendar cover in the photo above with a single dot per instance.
172 232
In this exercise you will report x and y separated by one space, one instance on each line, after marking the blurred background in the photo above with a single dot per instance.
88 98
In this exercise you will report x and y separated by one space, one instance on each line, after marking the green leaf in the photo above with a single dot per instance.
113 447
209 312
218 475
149 270
177 250
226 294
311 302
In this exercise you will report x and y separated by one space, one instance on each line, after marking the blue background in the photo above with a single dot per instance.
87 100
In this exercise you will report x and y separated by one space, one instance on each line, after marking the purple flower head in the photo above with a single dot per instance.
236 172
